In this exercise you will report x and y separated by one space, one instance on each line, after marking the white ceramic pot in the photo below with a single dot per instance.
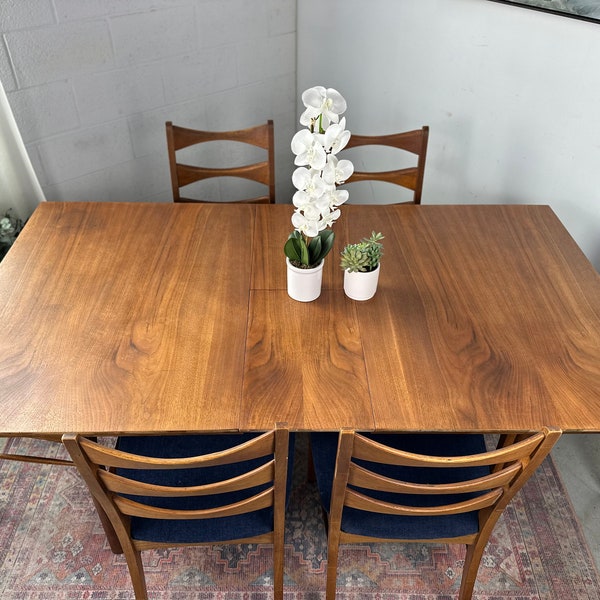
361 286
304 285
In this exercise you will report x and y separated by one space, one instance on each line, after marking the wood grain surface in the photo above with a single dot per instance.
141 318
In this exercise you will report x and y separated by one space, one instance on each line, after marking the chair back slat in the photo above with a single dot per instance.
373 451
410 141
110 457
259 172
133 508
407 178
361 477
184 137
123 485
360 501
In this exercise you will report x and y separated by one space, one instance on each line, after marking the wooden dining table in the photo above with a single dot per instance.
155 318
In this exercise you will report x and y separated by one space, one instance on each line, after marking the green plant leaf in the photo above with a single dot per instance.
292 249
327 237
312 254
314 250
304 258
363 256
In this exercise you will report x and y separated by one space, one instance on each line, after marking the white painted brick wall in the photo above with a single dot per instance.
78 10
144 37
102 97
45 54
6 73
45 110
92 83
86 150
18 14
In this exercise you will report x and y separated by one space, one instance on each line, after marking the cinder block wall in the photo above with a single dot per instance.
91 84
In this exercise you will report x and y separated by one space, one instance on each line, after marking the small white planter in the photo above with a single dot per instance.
361 286
304 285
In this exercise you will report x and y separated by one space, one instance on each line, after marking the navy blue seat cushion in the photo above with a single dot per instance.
324 448
196 530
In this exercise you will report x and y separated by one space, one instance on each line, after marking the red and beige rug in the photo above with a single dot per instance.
52 547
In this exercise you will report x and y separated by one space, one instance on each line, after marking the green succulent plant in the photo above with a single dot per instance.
363 256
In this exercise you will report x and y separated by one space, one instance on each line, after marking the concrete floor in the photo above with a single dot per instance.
577 457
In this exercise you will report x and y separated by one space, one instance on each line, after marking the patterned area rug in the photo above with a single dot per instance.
52 547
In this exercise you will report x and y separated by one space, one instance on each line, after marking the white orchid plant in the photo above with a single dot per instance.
319 171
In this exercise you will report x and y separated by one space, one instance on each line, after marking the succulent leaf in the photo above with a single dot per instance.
363 256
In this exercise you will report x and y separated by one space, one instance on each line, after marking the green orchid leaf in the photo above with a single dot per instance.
311 254
327 236
304 257
314 250
292 249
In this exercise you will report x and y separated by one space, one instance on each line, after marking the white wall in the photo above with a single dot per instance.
512 96
91 84
19 187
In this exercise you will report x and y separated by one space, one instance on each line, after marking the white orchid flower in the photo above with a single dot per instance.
334 198
336 172
304 202
323 204
309 227
312 213
341 196
343 171
300 178
320 101
336 137
329 220
308 150
309 181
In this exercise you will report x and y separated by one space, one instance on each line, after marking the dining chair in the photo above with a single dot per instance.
183 174
443 488
414 142
188 490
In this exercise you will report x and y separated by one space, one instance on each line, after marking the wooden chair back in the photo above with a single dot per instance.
261 136
121 483
363 473
411 178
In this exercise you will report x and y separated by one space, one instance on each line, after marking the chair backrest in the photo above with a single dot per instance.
104 470
411 178
152 501
262 172
360 480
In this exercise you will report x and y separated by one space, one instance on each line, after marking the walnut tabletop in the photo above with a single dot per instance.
155 318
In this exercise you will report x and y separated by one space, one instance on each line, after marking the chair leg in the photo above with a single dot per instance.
136 572
472 561
333 548
278 562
